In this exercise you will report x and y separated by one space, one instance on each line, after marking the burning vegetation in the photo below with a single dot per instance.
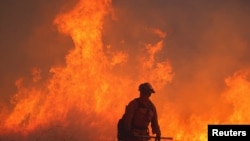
84 99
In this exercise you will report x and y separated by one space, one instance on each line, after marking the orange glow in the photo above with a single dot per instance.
238 96
80 95
84 99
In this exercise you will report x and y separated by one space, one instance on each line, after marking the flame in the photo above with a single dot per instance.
238 96
87 94
84 99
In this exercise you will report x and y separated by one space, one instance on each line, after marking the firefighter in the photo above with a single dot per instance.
139 114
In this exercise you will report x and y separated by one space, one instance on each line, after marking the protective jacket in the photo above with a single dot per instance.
139 114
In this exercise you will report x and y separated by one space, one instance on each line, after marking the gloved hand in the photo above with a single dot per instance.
158 137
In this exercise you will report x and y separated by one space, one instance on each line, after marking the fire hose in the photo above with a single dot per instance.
141 136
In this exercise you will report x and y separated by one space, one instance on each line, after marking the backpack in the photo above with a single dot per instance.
121 131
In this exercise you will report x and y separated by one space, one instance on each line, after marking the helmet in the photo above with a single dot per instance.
146 87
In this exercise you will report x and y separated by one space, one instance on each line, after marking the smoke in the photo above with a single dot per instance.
29 39
187 49
205 42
